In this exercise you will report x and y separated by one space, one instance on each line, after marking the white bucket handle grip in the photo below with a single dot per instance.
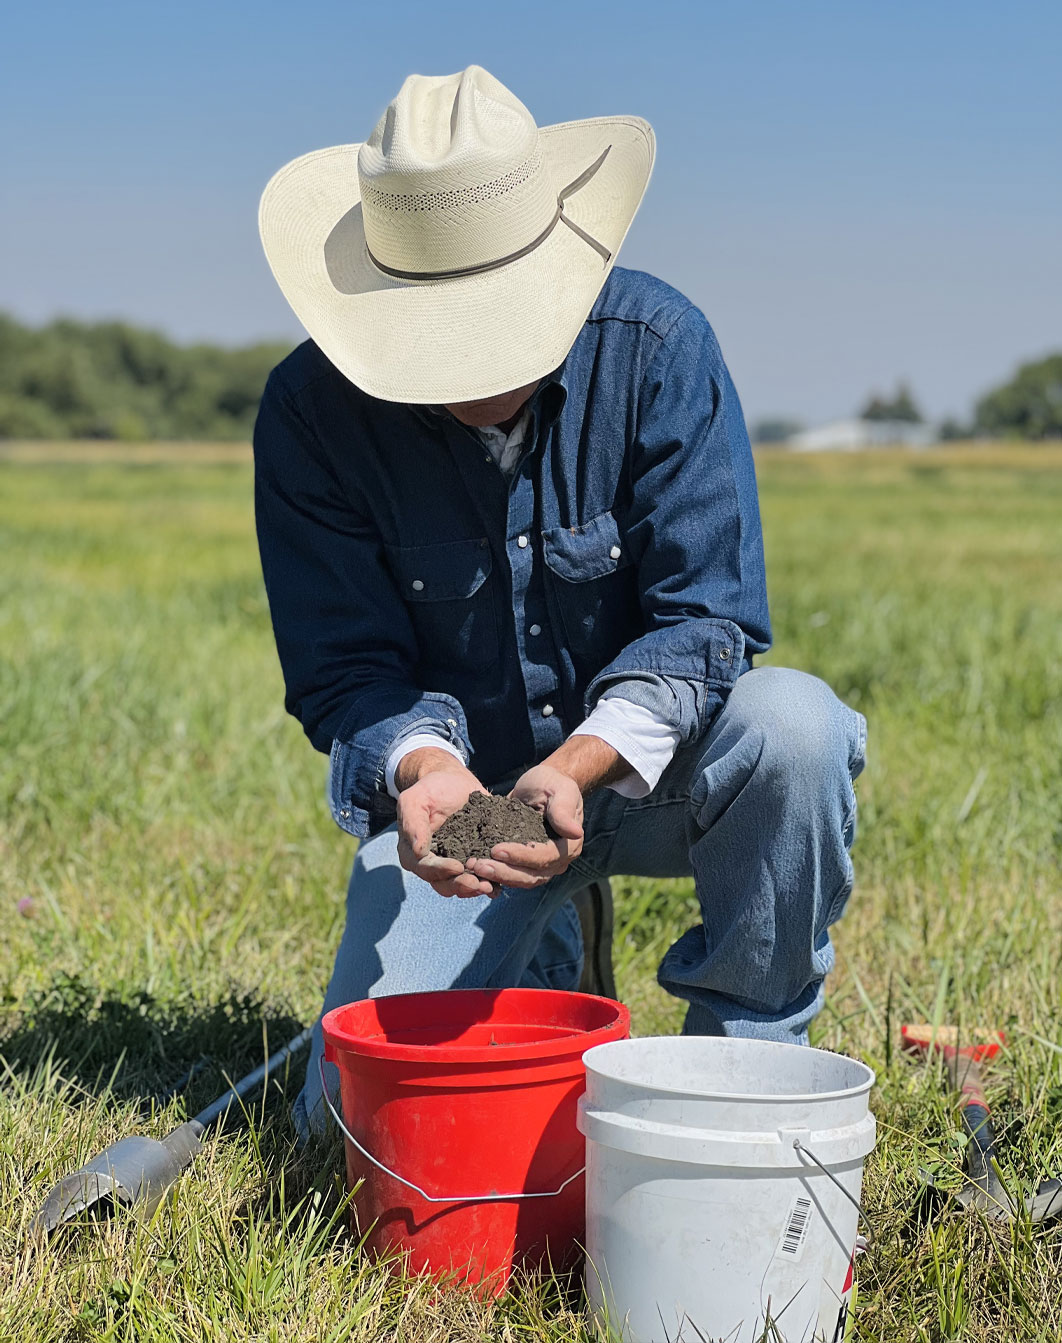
864 1217
433 1198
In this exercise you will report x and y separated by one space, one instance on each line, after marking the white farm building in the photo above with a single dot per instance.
846 435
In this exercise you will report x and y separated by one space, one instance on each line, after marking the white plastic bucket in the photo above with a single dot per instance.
706 1215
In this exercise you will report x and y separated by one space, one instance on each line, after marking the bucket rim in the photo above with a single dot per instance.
573 1045
760 1098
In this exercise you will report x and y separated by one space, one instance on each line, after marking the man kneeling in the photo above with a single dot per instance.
509 527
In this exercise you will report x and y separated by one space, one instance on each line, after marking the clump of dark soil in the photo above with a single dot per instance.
485 820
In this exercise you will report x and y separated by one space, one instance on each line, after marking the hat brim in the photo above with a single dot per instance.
444 341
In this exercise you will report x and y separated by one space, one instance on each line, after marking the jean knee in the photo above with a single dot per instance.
802 728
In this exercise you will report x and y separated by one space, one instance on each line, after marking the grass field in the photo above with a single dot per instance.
168 824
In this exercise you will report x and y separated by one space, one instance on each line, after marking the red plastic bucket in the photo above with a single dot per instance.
471 1096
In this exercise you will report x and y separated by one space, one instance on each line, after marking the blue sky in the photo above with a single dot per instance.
853 192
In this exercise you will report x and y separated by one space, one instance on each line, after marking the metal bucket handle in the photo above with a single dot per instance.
864 1216
432 1198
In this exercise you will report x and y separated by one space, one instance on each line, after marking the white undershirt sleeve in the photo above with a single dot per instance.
414 743
646 741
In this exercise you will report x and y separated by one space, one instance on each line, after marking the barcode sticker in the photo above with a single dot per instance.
796 1230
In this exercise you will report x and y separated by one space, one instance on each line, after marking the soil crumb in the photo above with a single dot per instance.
486 820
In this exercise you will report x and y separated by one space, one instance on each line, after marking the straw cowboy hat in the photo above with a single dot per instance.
457 252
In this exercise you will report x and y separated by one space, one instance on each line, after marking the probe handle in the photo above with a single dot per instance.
976 1117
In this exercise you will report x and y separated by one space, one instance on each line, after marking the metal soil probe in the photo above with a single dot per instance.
137 1171
982 1188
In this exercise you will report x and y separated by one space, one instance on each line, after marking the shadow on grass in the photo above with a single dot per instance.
135 1046
274 1204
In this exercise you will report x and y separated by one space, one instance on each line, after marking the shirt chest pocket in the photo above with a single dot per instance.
595 587
450 602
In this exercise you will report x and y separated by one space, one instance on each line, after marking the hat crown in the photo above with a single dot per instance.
452 175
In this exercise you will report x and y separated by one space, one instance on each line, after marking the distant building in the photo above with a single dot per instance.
847 435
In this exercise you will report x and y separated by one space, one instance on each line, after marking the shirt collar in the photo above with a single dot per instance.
547 402
550 396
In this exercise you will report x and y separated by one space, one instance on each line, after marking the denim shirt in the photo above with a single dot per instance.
414 588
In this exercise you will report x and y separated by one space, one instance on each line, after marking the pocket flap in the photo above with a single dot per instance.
449 571
589 551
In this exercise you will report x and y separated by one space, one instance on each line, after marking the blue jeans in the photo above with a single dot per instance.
760 811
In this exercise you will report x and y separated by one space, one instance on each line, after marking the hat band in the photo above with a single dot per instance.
558 217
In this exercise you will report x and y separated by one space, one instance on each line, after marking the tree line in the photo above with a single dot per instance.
113 380
1028 406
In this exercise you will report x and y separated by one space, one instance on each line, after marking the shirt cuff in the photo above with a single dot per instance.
641 736
682 672
414 743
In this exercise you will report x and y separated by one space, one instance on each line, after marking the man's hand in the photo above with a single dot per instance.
558 797
432 786
556 788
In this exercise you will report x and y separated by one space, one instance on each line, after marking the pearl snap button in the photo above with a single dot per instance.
615 552
547 710
418 586
521 541
535 629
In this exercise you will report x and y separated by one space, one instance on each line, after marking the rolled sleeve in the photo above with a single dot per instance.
694 531
358 796
682 673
